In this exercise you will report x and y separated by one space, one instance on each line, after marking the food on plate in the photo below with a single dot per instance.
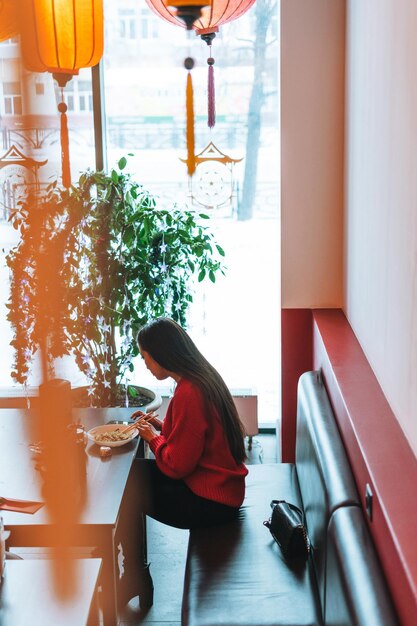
112 435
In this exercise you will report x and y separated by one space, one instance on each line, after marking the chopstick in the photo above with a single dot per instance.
141 419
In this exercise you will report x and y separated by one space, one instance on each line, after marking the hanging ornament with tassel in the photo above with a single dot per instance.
211 98
189 64
65 154
188 12
208 35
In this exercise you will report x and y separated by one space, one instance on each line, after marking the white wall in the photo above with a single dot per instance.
381 195
377 285
312 126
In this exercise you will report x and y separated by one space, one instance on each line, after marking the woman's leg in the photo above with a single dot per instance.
150 492
172 502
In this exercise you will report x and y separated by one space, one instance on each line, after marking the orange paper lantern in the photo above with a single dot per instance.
9 26
61 37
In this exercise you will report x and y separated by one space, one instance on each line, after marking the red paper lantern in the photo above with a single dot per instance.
220 12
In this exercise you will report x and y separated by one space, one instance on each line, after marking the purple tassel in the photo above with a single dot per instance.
210 93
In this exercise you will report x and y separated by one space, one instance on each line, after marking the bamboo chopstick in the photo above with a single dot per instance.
142 418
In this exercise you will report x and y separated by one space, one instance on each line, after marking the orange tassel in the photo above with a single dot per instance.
65 160
190 119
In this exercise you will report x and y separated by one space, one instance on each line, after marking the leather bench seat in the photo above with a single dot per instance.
236 574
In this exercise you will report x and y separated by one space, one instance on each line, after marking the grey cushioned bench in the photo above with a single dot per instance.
235 573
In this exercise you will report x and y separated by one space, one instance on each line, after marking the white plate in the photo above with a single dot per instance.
106 428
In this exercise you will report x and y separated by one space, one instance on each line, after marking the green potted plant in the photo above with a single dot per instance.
94 263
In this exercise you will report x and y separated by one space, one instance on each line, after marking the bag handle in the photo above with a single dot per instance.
292 506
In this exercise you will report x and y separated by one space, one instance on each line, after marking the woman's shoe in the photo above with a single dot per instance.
146 589
142 586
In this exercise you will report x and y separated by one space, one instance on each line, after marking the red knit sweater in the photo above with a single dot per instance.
193 447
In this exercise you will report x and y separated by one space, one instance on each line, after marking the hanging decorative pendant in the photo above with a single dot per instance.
65 158
211 98
188 13
189 64
208 35
213 186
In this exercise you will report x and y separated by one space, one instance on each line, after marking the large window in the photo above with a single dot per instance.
236 321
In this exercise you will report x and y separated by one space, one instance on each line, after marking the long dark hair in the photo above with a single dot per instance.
171 347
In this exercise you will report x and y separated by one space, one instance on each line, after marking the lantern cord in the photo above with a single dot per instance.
65 160
211 104
189 64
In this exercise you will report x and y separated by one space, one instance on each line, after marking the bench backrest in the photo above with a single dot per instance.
356 591
324 474
350 581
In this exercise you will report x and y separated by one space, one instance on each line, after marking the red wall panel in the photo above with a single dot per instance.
377 448
296 348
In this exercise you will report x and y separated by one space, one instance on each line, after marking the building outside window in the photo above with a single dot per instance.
12 98
127 24
148 24
39 89
78 95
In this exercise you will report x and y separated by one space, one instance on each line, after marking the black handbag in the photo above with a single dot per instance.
287 527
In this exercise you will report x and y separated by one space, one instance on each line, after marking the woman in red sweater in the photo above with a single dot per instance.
198 475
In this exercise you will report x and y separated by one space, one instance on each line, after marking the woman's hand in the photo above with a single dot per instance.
146 430
151 418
